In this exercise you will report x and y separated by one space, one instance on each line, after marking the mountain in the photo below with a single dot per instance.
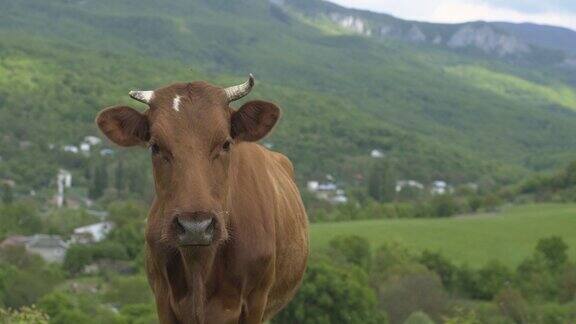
559 38
440 112
518 42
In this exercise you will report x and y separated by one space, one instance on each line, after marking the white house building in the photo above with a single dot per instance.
91 233
51 248
92 140
377 154
440 187
402 184
70 149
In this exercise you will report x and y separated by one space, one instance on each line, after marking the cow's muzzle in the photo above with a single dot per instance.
191 231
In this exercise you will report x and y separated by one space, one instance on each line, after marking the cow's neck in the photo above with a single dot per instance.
189 278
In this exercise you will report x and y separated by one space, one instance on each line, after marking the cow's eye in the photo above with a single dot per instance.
226 146
154 149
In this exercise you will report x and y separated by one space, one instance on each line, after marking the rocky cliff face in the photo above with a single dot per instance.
481 37
488 40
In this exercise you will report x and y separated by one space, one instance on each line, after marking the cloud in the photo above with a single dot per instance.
550 12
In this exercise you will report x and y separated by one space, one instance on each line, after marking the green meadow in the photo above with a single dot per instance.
508 236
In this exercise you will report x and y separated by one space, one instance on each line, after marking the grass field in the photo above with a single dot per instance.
508 236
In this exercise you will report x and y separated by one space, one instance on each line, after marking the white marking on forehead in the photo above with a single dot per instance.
176 103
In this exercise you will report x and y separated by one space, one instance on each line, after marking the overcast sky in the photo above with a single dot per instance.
551 12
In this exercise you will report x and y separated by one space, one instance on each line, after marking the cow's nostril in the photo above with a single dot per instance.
210 228
180 229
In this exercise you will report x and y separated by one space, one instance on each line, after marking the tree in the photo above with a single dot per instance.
129 290
64 221
99 181
462 316
554 250
389 259
444 205
352 249
442 266
415 290
418 317
139 313
130 237
77 257
492 278
467 282
123 213
7 194
382 181
119 176
512 305
332 295
65 308
19 218
535 280
24 278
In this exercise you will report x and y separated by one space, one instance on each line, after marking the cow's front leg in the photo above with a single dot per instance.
163 306
255 307
225 309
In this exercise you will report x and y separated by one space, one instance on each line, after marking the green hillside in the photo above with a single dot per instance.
508 236
343 95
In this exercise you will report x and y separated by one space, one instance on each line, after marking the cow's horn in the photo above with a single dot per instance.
239 91
142 96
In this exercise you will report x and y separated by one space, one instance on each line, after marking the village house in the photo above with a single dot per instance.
106 152
327 191
51 248
92 140
403 184
440 187
377 154
85 148
91 233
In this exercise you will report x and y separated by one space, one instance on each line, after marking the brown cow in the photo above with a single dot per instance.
227 234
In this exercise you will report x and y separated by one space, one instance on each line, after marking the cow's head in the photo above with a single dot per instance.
191 132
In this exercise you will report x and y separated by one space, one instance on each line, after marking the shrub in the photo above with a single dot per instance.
442 266
534 279
139 314
492 278
462 316
24 278
24 315
444 206
351 249
79 256
405 294
554 250
512 305
388 258
332 295
129 290
418 318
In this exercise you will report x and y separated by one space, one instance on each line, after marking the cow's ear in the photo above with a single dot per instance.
254 120
124 125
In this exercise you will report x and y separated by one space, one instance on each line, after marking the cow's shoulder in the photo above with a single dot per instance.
284 162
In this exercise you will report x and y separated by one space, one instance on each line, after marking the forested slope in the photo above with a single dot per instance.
437 113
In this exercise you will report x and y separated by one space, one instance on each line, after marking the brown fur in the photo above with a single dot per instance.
255 265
